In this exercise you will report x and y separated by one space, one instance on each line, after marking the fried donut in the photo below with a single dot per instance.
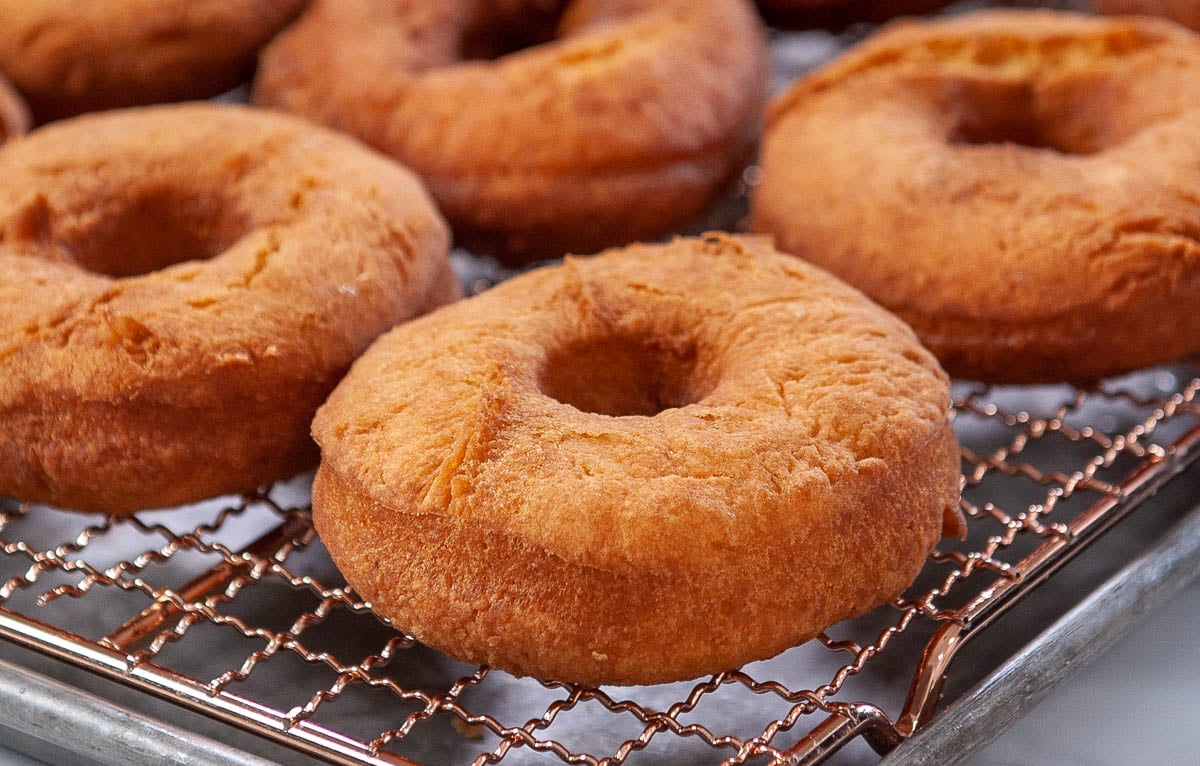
14 115
1186 12
656 463
68 58
622 127
1019 186
183 286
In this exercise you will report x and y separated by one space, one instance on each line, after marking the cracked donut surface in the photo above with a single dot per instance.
183 287
1019 186
642 466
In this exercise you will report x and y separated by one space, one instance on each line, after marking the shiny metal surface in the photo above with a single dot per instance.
1018 685
44 712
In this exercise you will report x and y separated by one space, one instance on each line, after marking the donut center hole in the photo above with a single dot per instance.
152 229
1008 132
1015 115
620 376
504 30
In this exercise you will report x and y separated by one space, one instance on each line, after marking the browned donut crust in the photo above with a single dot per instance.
1186 12
14 115
87 55
623 127
840 13
656 463
183 286
1019 186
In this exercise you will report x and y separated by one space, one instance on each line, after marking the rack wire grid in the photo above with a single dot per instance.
233 608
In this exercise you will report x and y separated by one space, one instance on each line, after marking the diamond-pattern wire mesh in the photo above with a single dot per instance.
240 597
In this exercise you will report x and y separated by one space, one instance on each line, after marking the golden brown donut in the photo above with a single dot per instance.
1019 186
1186 12
14 115
622 127
87 55
182 287
656 463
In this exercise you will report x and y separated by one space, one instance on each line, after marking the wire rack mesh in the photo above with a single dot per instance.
233 608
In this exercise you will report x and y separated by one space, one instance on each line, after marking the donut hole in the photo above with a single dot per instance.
1016 115
151 229
621 376
1007 131
505 31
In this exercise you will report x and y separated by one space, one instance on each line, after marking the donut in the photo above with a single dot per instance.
1019 186
839 13
1186 12
183 286
69 58
644 466
623 125
14 115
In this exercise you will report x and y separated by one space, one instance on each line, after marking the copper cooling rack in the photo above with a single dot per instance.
233 608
